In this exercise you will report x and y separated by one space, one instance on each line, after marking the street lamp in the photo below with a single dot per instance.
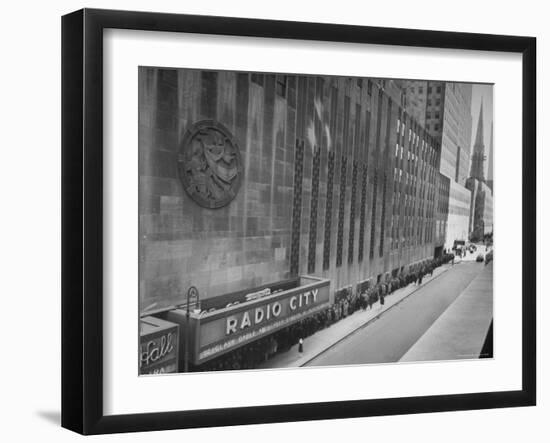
192 293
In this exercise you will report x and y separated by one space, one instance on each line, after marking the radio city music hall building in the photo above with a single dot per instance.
272 195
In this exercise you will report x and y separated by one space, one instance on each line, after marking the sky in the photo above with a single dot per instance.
485 93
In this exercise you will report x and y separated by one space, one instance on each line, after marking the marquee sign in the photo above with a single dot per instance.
158 353
228 329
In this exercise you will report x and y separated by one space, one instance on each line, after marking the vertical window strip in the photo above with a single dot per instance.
357 133
373 218
376 165
328 211
297 208
352 213
340 237
383 216
313 211
362 215
347 147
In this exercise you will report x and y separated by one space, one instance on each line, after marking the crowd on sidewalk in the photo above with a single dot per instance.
252 354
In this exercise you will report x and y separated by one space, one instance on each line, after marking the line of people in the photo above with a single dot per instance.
253 354
415 275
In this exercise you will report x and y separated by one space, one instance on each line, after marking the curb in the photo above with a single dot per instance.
372 320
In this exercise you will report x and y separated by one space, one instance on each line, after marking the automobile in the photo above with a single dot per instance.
458 243
479 258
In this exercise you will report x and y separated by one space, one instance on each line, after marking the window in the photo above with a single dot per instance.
428 102
430 89
439 89
421 90
281 85
437 115
257 78
360 82
436 127
437 102
369 87
428 115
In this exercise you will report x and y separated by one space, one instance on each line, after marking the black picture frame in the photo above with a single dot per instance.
82 220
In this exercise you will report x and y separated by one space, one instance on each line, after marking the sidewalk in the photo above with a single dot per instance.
328 337
461 330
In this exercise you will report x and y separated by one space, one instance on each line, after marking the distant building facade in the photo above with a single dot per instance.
445 108
458 220
490 179
442 213
481 219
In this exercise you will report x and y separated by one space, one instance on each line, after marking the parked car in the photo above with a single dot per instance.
479 258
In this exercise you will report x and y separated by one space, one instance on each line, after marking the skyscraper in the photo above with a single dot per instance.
490 166
445 110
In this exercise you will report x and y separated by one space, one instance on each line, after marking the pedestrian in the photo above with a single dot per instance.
373 296
301 345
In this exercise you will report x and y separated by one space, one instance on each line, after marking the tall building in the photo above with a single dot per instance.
253 183
445 110
490 166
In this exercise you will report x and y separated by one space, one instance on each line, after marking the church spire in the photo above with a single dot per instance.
478 156
479 133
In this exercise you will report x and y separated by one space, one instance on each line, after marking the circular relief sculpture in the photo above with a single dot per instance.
209 164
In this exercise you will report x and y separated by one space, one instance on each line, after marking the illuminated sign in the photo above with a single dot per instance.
158 346
227 329
270 311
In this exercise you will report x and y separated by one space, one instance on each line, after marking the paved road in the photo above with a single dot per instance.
390 337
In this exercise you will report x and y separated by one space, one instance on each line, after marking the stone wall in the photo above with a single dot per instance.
301 139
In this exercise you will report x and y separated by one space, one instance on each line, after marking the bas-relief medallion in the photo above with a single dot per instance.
209 164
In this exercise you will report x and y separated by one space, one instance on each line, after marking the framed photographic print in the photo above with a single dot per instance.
270 221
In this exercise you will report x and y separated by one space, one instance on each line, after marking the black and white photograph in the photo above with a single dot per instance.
275 222
295 220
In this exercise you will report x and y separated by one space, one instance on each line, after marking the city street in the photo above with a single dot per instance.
391 336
